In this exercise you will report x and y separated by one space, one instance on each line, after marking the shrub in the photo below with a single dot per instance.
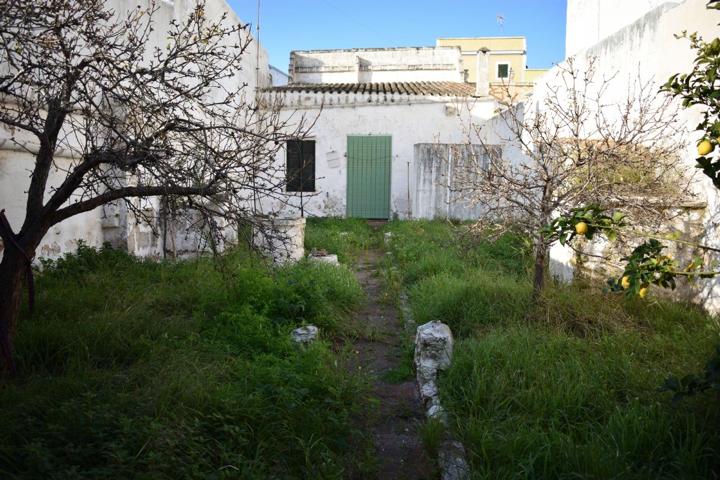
316 293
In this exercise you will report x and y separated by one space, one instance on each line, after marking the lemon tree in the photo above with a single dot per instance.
701 86
585 222
648 264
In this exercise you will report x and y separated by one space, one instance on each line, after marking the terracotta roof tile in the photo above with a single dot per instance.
446 89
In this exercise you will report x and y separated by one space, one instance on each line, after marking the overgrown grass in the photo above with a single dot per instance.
567 388
344 237
134 369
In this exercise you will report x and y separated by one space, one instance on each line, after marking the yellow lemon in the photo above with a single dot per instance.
705 147
581 228
643 292
625 282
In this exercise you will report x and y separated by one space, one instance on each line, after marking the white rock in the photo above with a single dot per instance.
305 335
437 412
331 259
428 389
433 353
433 348
452 461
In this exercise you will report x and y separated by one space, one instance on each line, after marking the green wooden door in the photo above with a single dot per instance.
368 176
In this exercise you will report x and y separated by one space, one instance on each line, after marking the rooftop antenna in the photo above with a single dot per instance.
501 22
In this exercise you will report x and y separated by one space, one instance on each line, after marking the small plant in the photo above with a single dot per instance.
433 433
693 384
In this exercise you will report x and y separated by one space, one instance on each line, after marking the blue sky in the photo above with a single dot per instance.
314 24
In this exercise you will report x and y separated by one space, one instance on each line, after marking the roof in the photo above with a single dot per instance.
480 38
373 49
445 89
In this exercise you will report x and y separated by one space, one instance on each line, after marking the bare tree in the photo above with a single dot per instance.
125 112
573 145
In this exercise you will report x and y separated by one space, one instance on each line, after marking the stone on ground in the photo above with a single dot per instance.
331 259
305 335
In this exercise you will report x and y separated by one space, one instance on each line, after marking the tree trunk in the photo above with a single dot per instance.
540 264
12 273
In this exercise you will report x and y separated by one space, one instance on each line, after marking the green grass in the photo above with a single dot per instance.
344 237
134 369
567 388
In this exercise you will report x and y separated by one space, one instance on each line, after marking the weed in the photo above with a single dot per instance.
566 388
136 369
345 237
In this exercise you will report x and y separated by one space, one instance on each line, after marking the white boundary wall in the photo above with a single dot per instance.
648 47
94 227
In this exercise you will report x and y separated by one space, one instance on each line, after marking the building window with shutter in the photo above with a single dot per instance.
503 71
300 167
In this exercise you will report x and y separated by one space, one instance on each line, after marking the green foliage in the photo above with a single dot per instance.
134 369
646 265
316 293
456 301
566 387
565 228
423 248
700 87
433 433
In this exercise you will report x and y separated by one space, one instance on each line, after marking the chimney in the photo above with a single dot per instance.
482 73
291 68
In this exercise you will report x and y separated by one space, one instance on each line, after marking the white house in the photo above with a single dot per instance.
373 110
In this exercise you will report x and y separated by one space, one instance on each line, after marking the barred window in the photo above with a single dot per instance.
300 171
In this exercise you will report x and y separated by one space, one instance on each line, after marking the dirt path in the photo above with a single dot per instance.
394 424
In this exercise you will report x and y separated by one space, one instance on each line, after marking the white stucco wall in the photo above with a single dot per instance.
408 120
376 65
16 165
590 21
278 77
648 48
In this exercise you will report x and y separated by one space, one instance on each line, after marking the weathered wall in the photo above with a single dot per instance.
510 50
590 21
112 223
409 120
436 193
647 48
278 77
376 65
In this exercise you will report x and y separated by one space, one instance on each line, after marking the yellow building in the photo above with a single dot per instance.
507 64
